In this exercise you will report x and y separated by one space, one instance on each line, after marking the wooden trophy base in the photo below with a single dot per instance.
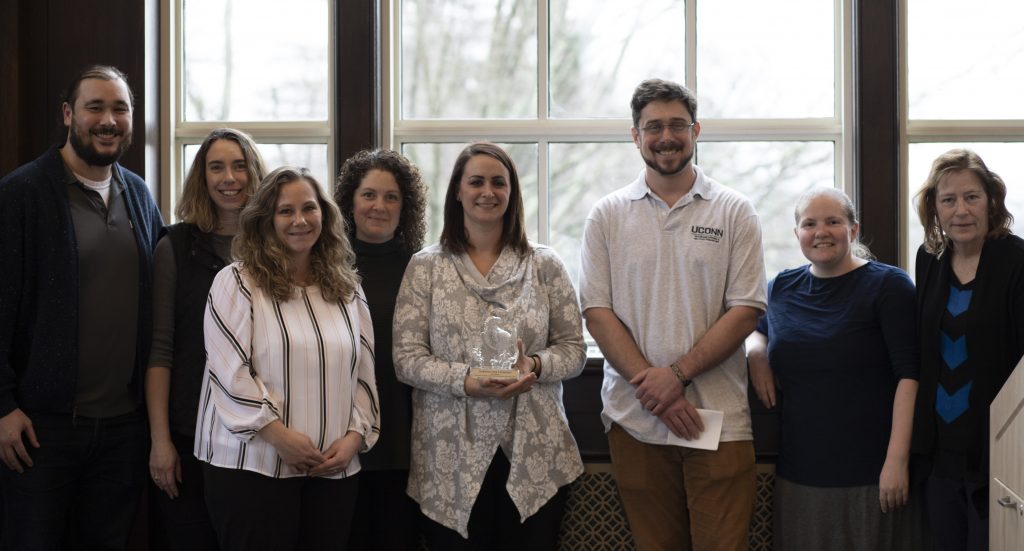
504 374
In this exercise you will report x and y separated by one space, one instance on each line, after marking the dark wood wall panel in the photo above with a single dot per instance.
876 120
52 41
357 98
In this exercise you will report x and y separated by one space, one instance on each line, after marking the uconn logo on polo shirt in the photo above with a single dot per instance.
704 233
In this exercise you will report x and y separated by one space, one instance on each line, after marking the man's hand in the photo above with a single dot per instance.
296 449
682 419
12 446
657 388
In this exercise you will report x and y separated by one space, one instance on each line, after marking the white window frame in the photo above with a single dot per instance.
543 130
176 132
935 131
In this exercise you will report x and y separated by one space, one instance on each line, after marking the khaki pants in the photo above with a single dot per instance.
678 499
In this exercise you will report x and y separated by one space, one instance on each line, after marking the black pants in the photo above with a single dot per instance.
954 521
84 487
386 519
494 523
250 511
185 521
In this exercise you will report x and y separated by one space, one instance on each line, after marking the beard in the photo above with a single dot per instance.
669 170
87 151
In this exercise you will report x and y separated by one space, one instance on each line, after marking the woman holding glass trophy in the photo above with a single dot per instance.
486 328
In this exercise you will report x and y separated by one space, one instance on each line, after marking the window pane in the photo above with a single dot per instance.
435 161
1001 158
766 59
581 174
255 60
311 156
469 59
964 59
772 175
601 49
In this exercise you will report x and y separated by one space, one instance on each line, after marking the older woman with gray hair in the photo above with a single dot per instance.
970 313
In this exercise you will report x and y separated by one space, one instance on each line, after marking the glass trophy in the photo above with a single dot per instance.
494 356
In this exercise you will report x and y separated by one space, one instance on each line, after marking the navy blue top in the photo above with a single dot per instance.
838 347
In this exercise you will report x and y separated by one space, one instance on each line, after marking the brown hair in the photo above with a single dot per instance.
264 257
513 228
955 160
196 206
412 225
656 89
102 72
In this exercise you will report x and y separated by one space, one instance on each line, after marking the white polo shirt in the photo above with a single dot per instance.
669 273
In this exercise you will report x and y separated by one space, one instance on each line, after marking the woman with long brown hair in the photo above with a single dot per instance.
491 458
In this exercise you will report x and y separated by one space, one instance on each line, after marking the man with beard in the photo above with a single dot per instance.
77 233
672 282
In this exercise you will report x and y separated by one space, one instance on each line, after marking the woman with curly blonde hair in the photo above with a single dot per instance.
382 199
289 395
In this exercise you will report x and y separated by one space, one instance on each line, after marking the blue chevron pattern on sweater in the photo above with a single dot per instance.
950 407
954 352
958 301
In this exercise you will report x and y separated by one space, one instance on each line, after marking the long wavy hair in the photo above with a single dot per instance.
513 228
265 257
412 225
955 160
196 206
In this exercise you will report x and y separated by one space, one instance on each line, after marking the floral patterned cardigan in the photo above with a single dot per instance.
440 309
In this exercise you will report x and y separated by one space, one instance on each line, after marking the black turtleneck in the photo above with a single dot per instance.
382 265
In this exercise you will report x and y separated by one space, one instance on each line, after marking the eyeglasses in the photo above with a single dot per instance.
676 127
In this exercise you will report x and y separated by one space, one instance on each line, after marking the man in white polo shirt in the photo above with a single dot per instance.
672 282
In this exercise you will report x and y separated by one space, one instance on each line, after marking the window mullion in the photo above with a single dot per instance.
691 46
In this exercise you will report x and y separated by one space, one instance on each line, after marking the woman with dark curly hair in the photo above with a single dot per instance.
288 397
383 201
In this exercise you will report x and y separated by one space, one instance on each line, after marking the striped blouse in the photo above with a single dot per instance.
304 361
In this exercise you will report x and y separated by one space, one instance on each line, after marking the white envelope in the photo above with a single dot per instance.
708 440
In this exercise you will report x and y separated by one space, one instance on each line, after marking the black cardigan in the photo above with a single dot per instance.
995 338
196 264
39 284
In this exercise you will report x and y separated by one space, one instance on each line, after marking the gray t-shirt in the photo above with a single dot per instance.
108 300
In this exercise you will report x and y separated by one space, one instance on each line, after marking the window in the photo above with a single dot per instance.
551 80
963 89
252 66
